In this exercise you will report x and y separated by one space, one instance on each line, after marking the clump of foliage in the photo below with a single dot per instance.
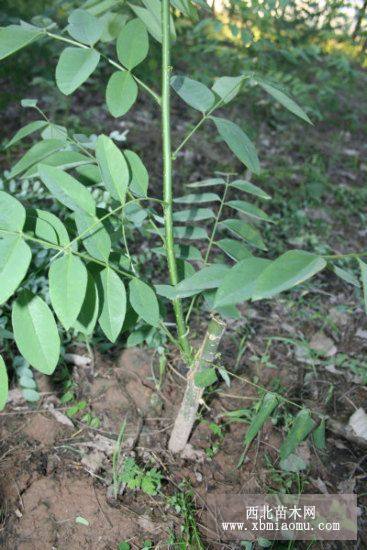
92 277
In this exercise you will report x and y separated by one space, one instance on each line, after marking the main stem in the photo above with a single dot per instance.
167 175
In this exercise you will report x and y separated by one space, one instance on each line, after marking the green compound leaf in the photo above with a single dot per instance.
121 93
290 269
15 257
15 37
113 166
84 27
227 87
194 214
35 332
302 426
250 188
27 130
113 303
239 282
12 213
139 177
211 182
194 93
88 315
283 99
234 249
46 226
245 231
75 67
132 44
198 198
67 189
268 404
68 282
208 277
238 142
61 159
97 240
144 301
37 153
249 209
4 384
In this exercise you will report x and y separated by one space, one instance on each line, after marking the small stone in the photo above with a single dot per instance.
323 345
358 423
361 334
338 317
93 461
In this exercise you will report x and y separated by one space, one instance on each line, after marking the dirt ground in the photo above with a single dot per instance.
52 474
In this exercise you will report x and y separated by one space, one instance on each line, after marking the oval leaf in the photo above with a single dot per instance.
15 257
67 189
290 269
208 277
234 249
139 177
239 282
15 37
113 302
144 301
27 130
244 231
283 99
249 209
94 236
88 315
48 227
114 168
12 213
121 93
250 188
198 198
84 27
75 67
227 87
238 142
37 153
132 44
68 283
194 93
35 332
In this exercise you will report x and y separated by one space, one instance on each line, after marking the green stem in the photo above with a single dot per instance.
167 174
